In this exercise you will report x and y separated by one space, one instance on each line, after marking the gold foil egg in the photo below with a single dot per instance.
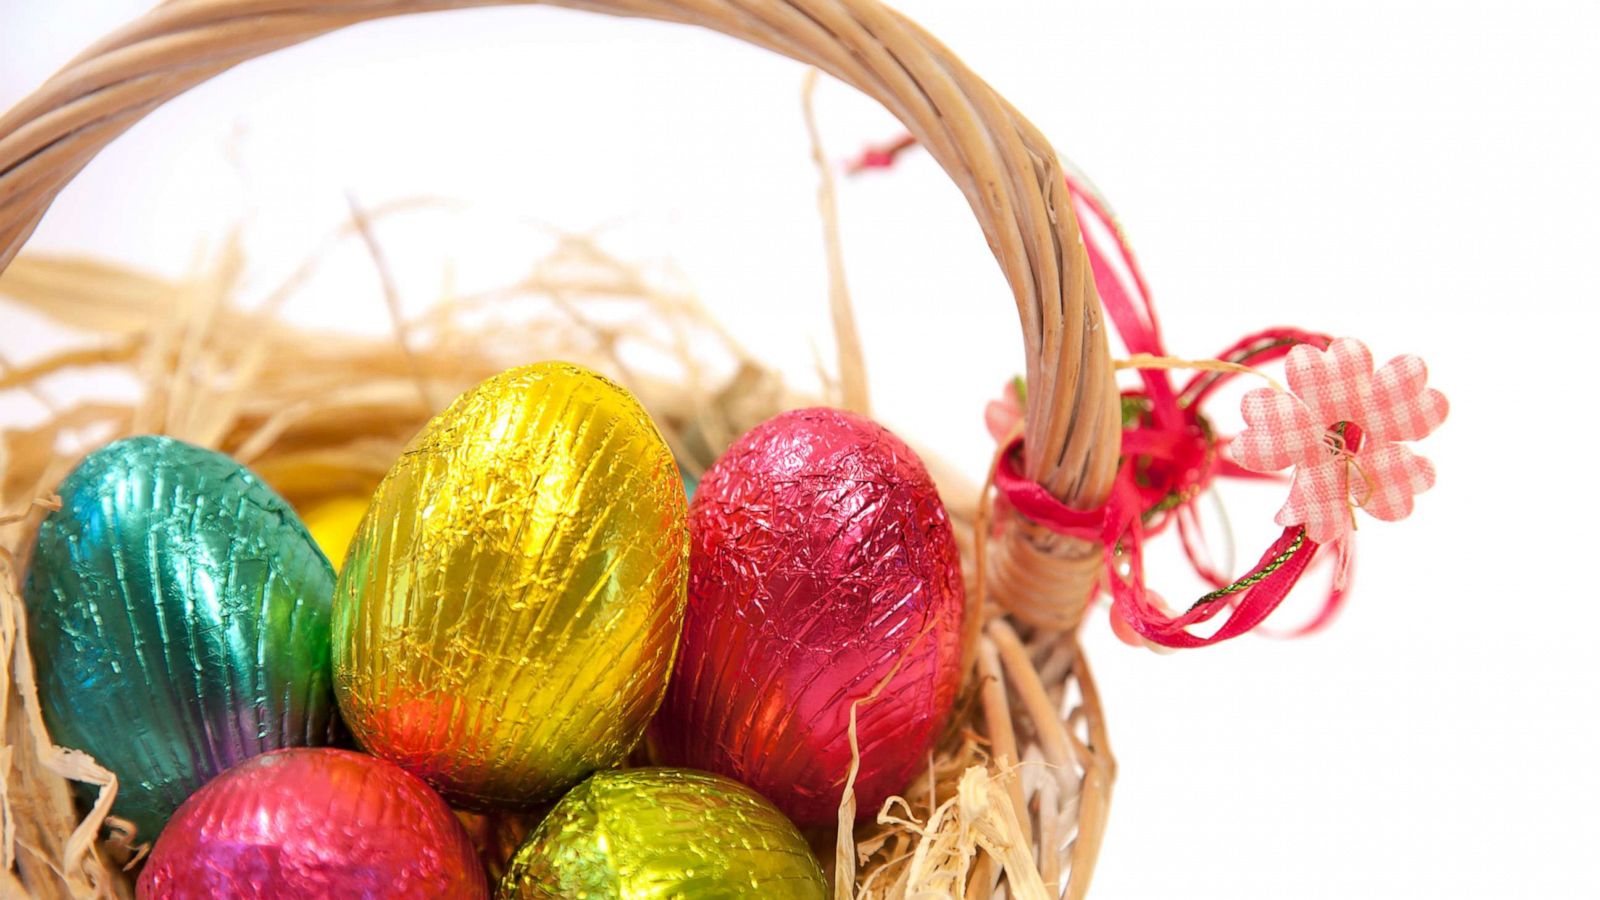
663 834
509 609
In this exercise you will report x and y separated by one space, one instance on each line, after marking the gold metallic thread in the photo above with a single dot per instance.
509 609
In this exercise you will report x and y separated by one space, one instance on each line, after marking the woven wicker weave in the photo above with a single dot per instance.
1032 698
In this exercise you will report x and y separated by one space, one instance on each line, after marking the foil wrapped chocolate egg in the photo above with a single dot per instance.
822 563
313 823
690 482
507 614
657 834
178 616
333 523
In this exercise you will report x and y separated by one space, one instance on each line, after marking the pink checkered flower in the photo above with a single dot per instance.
1339 426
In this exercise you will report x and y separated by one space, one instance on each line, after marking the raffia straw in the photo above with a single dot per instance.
852 364
1149 361
79 869
844 864
391 299
976 816
845 845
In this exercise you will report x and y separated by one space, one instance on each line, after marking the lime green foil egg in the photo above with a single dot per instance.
662 834
509 609
178 617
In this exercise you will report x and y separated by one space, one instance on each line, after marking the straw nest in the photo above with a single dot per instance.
1014 796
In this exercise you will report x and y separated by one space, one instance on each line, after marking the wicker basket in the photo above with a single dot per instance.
1016 795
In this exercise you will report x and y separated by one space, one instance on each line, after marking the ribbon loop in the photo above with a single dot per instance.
1170 456
1031 499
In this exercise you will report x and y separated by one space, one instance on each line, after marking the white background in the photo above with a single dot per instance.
1420 175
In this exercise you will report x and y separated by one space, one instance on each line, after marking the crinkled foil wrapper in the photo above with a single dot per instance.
507 614
178 615
821 558
314 823
662 834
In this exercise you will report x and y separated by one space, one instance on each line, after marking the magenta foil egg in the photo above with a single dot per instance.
820 559
313 823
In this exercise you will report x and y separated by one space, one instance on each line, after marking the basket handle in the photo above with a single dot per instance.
1006 169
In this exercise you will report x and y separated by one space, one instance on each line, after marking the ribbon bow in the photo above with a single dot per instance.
1339 427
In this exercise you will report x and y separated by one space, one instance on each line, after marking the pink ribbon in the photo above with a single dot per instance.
1170 457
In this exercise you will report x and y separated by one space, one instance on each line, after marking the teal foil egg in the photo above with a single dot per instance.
178 618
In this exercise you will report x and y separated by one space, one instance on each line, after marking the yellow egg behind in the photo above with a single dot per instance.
333 523
509 609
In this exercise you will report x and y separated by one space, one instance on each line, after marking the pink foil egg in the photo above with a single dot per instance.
820 558
313 823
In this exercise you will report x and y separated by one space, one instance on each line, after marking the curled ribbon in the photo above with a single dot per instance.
1170 457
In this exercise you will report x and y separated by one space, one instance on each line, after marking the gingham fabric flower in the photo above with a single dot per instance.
1339 468
1001 416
